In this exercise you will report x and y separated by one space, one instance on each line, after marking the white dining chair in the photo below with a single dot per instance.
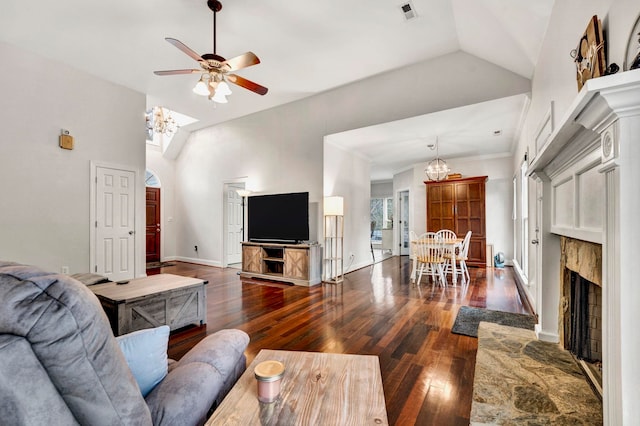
430 257
461 260
447 234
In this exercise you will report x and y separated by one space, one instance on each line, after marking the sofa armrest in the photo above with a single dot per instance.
200 377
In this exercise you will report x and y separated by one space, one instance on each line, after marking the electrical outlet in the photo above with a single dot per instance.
195 248
64 270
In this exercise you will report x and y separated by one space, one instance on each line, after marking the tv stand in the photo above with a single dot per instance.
300 264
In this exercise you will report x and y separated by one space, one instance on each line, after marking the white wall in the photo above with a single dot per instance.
381 189
348 175
274 151
164 169
281 149
44 202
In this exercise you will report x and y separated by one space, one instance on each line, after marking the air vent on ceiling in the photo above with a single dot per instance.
408 11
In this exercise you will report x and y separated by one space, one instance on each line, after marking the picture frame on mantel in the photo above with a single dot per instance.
543 133
632 57
589 55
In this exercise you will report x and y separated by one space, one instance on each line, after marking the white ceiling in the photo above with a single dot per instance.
467 131
305 47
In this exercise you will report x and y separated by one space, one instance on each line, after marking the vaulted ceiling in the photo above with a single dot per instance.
305 47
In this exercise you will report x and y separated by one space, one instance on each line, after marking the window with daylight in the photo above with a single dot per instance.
381 217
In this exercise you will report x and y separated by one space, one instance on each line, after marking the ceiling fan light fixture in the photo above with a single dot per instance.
214 68
219 98
201 88
223 89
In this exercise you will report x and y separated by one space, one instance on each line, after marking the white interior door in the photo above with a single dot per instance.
115 223
403 207
234 226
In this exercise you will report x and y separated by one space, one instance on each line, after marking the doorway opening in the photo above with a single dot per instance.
234 224
153 235
403 223
381 228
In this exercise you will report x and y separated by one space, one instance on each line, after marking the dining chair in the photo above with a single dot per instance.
461 259
447 234
430 257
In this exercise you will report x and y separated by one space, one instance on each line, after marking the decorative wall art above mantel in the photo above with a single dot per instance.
589 55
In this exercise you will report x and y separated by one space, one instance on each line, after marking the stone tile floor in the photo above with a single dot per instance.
520 380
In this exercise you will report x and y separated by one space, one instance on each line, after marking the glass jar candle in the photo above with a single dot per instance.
269 376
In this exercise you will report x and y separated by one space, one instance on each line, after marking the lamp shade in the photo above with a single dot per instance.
243 192
333 206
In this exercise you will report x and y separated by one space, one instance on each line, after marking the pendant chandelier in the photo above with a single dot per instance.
437 169
161 123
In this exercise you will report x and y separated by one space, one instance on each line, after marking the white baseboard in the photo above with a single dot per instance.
545 336
199 261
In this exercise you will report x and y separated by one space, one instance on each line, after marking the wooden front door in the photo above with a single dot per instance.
153 224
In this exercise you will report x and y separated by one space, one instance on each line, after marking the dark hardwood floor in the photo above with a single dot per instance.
427 371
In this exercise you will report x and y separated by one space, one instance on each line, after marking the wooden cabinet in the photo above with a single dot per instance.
295 263
459 205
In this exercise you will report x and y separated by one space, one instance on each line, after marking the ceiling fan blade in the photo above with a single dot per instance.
180 45
242 61
175 72
247 84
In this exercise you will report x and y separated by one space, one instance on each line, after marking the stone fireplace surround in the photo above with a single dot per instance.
588 178
585 259
582 261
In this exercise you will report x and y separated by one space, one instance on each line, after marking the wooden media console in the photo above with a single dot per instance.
300 264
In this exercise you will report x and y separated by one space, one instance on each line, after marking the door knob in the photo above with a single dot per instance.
132 232
535 242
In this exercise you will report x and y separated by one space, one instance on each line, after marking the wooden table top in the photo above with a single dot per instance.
448 241
317 389
141 287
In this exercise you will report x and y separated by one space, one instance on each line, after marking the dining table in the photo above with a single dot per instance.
450 244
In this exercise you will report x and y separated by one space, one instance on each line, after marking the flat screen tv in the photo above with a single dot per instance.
278 218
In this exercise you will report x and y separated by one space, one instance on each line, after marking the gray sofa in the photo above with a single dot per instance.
61 365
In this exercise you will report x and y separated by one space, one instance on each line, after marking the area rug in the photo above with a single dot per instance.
152 265
468 318
520 380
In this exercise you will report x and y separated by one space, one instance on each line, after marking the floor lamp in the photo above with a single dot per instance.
333 239
244 193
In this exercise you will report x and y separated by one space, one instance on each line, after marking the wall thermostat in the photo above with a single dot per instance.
65 140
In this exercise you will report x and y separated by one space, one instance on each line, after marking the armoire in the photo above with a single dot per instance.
459 205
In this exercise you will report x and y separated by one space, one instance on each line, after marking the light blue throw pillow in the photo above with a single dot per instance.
146 354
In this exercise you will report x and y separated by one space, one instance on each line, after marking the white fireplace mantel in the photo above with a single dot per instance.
589 171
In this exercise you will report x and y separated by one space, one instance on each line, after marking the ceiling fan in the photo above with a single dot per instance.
216 70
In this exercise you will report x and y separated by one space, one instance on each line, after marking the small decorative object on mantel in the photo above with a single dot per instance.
454 176
589 55
632 60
